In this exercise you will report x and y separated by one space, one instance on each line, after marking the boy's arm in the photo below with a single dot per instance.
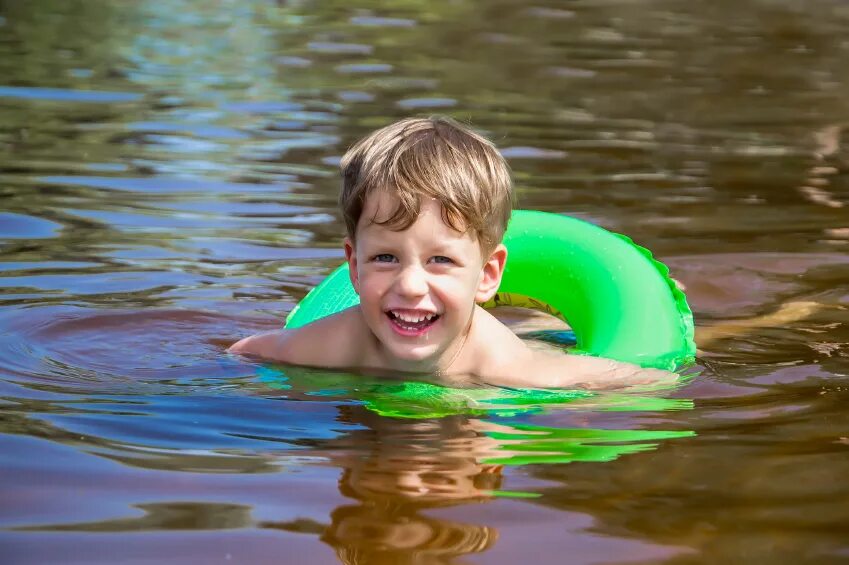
327 342
269 345
510 362
597 373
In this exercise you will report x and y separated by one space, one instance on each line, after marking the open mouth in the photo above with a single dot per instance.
412 323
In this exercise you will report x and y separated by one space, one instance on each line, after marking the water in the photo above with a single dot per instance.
168 184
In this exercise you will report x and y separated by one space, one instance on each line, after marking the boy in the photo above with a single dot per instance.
426 202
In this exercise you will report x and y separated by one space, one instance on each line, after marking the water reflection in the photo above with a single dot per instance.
398 469
394 470
163 516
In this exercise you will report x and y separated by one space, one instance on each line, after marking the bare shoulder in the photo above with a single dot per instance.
496 353
327 342
501 358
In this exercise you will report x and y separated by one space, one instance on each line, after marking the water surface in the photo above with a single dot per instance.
168 184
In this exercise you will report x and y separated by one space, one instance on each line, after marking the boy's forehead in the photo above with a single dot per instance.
381 206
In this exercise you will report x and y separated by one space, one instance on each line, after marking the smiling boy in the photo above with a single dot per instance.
426 203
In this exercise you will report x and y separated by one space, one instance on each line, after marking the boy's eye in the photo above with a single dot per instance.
384 258
441 259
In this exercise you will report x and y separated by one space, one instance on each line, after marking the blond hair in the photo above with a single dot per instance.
434 158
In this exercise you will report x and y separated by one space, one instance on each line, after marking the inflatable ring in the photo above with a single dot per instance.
619 301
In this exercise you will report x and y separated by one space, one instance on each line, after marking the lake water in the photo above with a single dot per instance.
168 184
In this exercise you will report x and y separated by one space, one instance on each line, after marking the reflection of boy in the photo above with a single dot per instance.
392 526
397 470
426 203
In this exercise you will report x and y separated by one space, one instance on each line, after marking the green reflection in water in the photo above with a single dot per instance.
500 443
540 444
416 399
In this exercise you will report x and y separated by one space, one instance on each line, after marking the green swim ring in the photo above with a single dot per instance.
619 301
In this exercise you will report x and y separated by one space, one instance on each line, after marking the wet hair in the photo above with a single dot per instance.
434 157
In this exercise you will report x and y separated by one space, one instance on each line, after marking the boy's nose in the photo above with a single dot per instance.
412 281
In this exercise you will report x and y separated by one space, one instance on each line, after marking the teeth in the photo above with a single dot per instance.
412 318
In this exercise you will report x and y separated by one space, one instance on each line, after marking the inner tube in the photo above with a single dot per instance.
619 301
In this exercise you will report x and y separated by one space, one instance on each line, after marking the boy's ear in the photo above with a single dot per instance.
493 269
351 258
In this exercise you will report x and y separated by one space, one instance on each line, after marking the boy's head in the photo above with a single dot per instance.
434 158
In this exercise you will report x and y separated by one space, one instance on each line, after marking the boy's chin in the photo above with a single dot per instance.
417 356
422 359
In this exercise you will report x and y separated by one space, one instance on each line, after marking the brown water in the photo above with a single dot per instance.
168 184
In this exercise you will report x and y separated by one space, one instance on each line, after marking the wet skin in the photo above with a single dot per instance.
418 287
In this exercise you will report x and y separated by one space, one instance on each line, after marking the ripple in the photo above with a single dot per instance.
364 68
175 143
45 266
354 96
340 48
152 221
65 95
524 152
19 226
228 250
273 149
571 72
417 103
164 185
261 107
71 344
297 62
202 130
549 13
230 208
85 284
375 21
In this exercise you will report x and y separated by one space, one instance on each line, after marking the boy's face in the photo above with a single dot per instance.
418 287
